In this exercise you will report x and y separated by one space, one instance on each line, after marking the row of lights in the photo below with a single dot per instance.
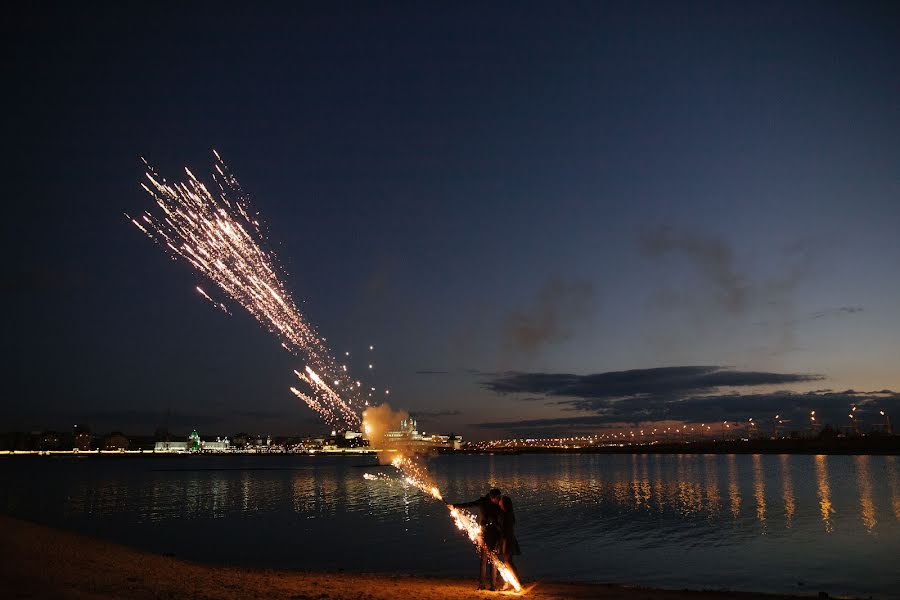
567 442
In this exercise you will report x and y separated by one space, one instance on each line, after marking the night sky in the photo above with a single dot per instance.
546 217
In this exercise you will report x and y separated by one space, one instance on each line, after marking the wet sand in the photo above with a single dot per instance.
41 562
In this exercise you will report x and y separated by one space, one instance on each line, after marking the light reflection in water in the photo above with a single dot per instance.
734 493
712 485
645 482
694 487
787 486
825 507
864 484
759 490
658 483
894 483
636 484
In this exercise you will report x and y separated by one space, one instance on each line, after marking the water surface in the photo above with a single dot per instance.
749 522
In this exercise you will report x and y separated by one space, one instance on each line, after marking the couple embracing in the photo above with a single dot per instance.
497 520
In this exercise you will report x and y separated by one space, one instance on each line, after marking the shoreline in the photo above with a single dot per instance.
868 445
37 561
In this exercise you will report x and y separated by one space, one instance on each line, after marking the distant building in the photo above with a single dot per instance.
82 438
170 447
193 444
409 437
220 445
115 441
240 440
49 440
343 442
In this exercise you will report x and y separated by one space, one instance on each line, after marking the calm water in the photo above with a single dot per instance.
773 523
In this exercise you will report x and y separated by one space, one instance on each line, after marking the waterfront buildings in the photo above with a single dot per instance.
194 444
408 437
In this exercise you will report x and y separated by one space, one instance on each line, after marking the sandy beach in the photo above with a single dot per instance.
41 562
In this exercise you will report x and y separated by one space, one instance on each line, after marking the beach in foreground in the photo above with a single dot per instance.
41 562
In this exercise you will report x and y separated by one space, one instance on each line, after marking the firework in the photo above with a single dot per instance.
416 475
219 235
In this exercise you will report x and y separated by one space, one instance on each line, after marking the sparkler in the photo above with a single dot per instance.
415 475
219 235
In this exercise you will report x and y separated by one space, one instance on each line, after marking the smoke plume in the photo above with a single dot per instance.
378 420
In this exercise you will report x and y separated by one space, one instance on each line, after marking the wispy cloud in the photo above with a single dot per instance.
554 315
697 393
663 381
836 312
794 407
432 414
712 256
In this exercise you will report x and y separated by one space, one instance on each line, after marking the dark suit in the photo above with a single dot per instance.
489 519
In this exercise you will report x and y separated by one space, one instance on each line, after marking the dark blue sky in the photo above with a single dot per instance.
545 188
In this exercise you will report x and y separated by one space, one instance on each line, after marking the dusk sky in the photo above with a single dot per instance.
546 217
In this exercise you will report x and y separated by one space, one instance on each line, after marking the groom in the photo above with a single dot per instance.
489 519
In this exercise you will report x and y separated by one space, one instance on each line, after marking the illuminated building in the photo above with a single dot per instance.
194 444
115 441
409 437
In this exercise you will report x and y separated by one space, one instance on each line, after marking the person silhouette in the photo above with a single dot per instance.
489 519
509 543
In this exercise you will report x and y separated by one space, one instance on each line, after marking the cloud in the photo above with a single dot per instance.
717 288
560 306
794 407
431 414
836 312
700 393
712 257
663 381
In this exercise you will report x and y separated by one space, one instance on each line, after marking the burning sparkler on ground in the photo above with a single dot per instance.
416 475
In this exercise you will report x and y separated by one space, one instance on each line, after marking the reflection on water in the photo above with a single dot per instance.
712 485
864 482
734 493
639 484
824 491
658 485
686 485
759 490
894 482
673 520
787 489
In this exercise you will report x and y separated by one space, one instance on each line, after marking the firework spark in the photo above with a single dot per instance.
416 475
219 235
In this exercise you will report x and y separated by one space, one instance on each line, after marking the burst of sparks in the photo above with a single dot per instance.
219 235
415 475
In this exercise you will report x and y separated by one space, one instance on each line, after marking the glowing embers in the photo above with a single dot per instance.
415 475
219 235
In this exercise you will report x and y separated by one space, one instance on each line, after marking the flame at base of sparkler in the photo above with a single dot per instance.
415 475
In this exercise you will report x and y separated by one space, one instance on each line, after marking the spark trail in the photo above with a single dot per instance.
416 475
219 235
